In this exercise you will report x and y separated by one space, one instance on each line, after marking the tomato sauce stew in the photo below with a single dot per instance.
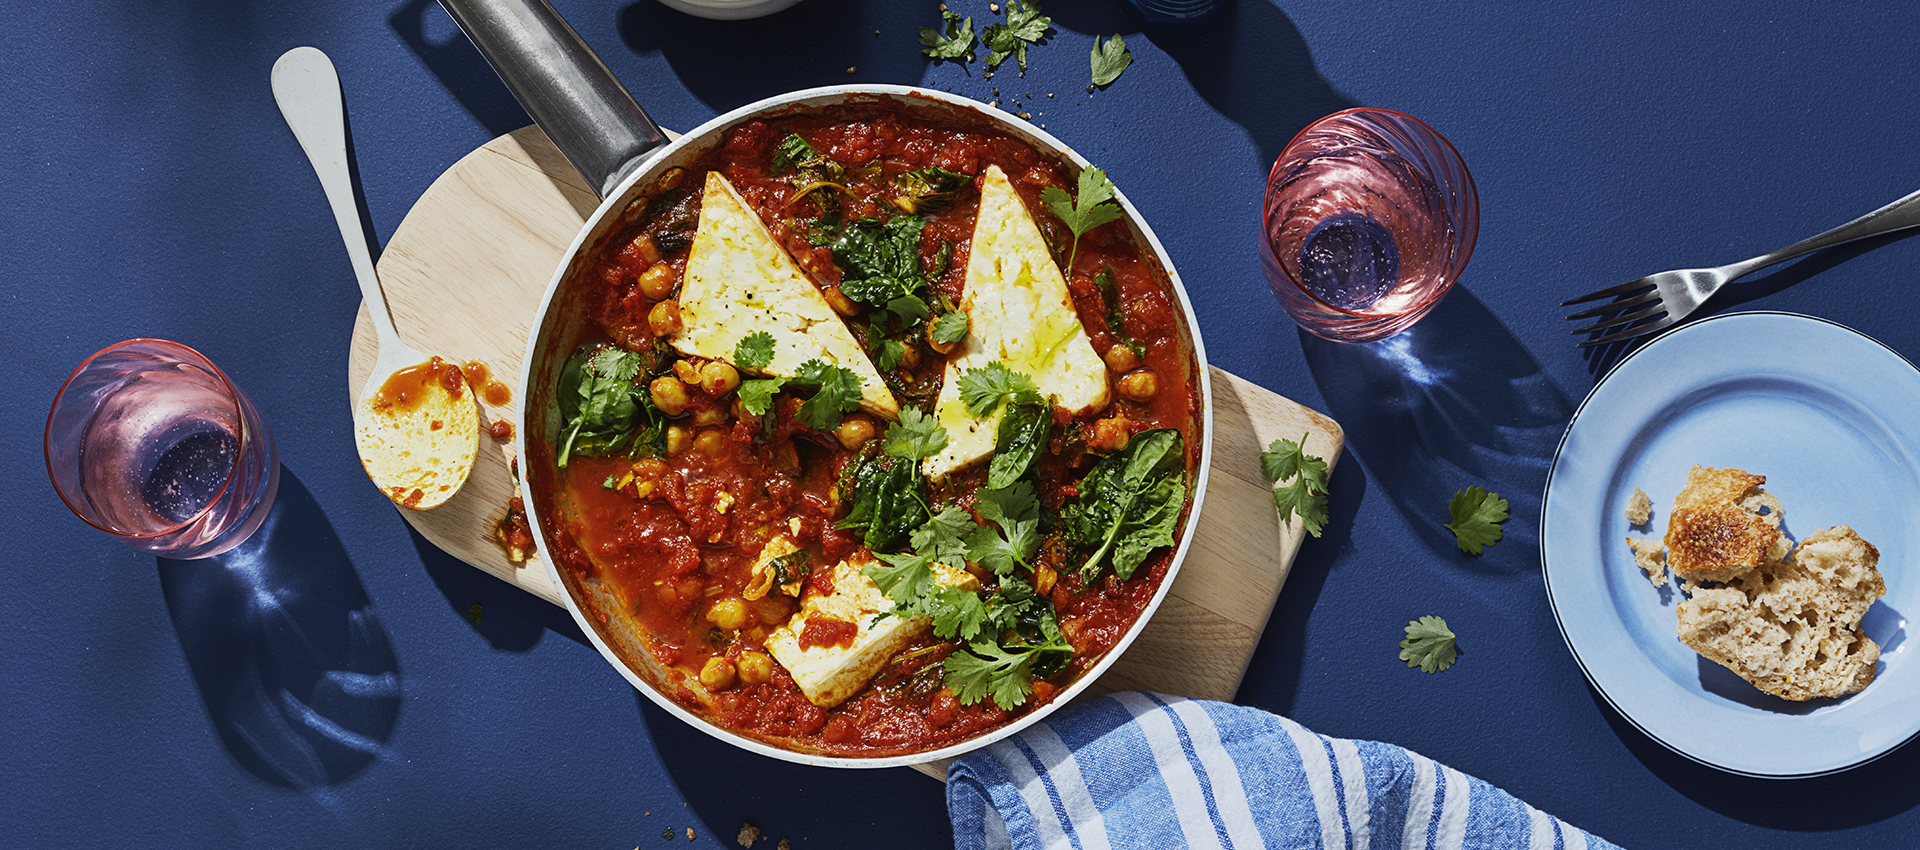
775 539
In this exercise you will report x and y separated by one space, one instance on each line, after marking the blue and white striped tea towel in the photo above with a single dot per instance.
1139 770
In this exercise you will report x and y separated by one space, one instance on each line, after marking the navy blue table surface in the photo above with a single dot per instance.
345 683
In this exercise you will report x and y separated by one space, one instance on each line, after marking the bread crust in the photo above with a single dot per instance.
1721 525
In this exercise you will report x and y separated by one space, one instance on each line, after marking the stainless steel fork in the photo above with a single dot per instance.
1657 301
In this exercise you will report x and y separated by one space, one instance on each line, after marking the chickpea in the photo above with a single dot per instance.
839 301
755 667
1121 360
856 430
772 609
1109 435
910 356
710 415
670 180
718 378
1140 386
658 280
711 442
678 439
729 613
669 395
687 371
649 467
1044 579
717 674
664 318
644 247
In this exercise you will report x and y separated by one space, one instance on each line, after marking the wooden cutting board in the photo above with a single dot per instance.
464 274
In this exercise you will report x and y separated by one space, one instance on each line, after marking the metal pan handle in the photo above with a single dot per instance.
566 89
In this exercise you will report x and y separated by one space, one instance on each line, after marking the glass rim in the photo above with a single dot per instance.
1472 188
233 472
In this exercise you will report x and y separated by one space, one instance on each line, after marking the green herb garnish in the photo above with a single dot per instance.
1129 503
836 393
1429 645
1009 39
1306 494
880 265
953 40
928 190
1015 513
1021 436
754 351
1477 515
603 408
983 389
950 328
915 437
1005 671
1093 206
1109 59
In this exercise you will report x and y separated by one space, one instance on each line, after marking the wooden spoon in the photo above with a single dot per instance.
415 423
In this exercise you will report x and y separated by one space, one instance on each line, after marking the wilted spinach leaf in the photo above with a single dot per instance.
1129 503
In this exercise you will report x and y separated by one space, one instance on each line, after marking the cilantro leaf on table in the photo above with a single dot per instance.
983 389
1091 207
754 351
1477 515
1009 39
1429 645
1306 494
952 40
1109 59
916 437
837 393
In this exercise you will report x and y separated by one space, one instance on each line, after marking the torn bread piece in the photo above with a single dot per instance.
1722 524
1639 508
740 280
1792 628
1650 556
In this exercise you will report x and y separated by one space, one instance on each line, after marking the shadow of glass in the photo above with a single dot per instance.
1867 794
732 63
1452 402
510 619
818 806
296 671
1252 65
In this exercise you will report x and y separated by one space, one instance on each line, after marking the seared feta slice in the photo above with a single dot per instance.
827 675
1020 314
740 280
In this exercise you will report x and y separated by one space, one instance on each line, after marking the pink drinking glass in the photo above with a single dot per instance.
151 443
1369 218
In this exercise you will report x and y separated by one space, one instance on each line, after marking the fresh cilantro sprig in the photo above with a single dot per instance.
950 328
1009 39
1429 645
1015 513
1306 494
755 351
836 394
952 40
1109 59
1477 515
983 389
915 437
1091 207
1004 672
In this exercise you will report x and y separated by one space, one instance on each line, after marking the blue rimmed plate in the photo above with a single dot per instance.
1832 419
